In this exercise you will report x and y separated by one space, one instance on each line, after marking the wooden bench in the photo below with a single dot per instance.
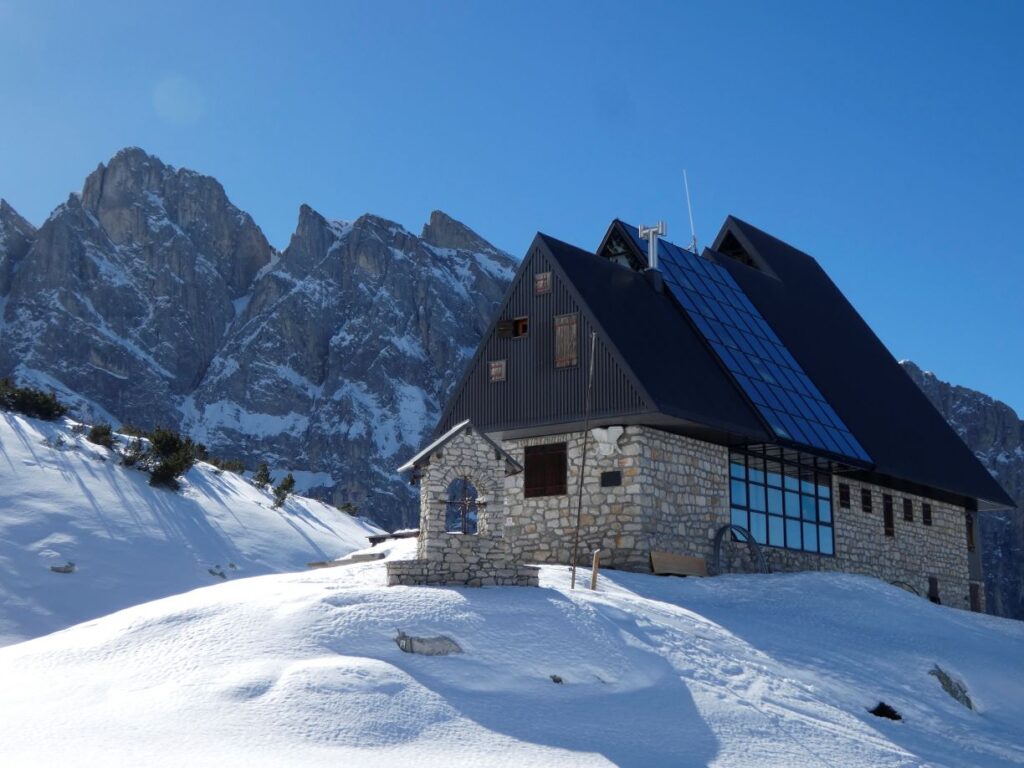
671 564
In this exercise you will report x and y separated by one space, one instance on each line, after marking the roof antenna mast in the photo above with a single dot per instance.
651 234
689 210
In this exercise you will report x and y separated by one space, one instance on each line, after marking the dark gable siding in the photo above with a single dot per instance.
534 392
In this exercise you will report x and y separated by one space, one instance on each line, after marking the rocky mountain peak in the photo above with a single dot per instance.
16 236
443 231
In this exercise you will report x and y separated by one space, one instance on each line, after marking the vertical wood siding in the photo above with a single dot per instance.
535 391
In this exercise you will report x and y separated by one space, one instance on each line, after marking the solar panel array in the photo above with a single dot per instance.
760 363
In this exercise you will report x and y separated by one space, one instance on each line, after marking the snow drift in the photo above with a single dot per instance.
303 669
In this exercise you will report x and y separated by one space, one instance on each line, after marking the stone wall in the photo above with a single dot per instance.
915 551
475 560
674 496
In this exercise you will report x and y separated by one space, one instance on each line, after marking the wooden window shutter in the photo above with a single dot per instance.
545 470
505 328
566 340
496 370
542 283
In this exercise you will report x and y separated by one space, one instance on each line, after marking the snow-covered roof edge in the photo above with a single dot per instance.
511 465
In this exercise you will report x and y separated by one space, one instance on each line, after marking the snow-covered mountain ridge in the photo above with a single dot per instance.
303 669
151 299
65 500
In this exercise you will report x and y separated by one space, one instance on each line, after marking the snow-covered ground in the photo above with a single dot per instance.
64 499
302 669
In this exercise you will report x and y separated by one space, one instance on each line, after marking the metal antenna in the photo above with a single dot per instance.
651 234
689 210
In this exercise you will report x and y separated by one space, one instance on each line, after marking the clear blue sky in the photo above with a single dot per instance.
884 138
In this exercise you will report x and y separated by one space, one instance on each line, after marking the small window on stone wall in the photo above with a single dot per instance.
461 510
545 470
926 513
933 589
865 499
908 510
611 479
969 521
890 522
844 495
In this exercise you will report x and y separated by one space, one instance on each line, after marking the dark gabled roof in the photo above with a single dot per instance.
907 438
656 343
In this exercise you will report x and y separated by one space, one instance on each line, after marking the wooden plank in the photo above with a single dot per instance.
366 557
669 563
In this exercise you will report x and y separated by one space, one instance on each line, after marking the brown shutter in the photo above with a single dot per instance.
542 283
566 341
545 470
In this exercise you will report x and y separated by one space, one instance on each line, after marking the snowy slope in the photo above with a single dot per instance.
64 499
302 669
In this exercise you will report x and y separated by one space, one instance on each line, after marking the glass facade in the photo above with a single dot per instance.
782 503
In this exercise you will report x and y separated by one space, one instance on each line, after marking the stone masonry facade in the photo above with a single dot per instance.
675 495
476 560
672 496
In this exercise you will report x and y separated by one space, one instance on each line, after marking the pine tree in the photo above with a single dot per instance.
262 477
284 488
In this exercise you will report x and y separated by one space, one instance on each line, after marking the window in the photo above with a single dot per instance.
844 495
969 521
611 479
565 341
461 512
542 283
520 326
890 523
908 510
865 499
933 589
496 370
545 470
782 503
926 513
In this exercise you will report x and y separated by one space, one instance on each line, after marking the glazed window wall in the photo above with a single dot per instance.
782 504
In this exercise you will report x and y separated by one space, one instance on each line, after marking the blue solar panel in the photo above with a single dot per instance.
759 362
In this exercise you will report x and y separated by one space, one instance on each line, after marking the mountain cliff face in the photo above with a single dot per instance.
346 352
150 298
126 292
996 435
